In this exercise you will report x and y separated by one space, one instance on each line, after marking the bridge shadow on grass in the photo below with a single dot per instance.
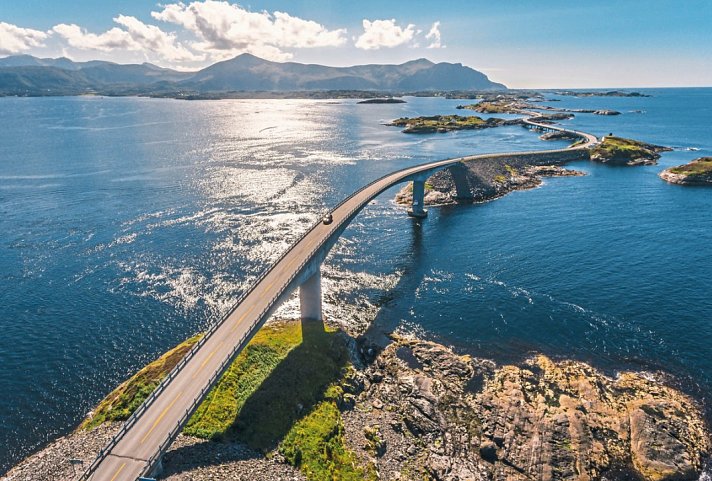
292 390
295 385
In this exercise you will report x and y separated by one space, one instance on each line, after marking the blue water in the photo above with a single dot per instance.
129 224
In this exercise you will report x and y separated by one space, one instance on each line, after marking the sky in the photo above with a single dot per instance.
521 43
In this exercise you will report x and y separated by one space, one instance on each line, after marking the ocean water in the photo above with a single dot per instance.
128 224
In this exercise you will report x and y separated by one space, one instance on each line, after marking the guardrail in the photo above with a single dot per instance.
131 420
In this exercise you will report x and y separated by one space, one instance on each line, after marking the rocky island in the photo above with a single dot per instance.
389 100
447 123
697 172
626 152
305 402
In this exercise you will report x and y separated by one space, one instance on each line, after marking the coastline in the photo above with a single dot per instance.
416 408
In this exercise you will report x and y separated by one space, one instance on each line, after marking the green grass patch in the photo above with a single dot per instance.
126 398
698 167
275 381
510 169
316 444
500 179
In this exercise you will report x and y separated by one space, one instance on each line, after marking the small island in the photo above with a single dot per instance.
389 100
626 152
447 123
611 93
697 172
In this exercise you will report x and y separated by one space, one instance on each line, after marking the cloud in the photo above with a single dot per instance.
14 39
153 38
384 33
434 36
106 42
223 29
135 36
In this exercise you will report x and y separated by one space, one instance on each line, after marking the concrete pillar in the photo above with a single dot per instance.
417 208
462 186
310 297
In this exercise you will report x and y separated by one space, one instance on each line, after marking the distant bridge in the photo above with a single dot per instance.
136 450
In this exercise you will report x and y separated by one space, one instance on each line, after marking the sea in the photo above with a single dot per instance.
129 224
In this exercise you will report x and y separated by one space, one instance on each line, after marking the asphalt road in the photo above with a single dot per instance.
155 427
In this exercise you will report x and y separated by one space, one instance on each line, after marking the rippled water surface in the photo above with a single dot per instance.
129 224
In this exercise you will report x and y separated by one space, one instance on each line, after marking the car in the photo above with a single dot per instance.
328 219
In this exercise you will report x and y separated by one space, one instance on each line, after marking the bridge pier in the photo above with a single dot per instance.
462 186
310 297
416 209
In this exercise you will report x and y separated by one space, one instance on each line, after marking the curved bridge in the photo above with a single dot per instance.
137 448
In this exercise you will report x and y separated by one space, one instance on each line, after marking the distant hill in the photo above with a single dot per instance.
247 72
28 75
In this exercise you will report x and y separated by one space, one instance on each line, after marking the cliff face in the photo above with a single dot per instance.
442 416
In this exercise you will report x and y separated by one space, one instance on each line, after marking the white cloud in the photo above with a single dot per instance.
434 36
384 33
134 36
153 38
223 29
106 42
14 39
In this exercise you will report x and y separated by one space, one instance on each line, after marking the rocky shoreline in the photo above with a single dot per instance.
697 172
418 410
488 180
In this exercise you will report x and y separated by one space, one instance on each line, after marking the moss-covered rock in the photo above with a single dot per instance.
626 152
697 172
446 123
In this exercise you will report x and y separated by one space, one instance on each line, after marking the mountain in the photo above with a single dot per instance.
28 75
247 72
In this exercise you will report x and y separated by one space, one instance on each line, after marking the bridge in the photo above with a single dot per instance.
136 450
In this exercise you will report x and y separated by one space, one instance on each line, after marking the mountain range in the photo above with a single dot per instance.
26 75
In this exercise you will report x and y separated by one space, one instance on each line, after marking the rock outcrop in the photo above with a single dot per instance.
697 172
626 152
491 178
447 417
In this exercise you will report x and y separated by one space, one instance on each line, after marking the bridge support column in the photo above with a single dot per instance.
417 209
310 297
462 186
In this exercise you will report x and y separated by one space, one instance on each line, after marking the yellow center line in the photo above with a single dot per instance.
237 323
206 361
118 471
161 416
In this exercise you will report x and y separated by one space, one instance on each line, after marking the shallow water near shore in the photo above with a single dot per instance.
129 224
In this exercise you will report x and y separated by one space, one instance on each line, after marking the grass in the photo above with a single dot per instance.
316 444
500 179
624 149
282 392
126 398
698 167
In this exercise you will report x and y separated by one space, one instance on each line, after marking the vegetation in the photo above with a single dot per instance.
443 123
697 172
316 444
283 391
617 150
126 398
494 107
698 167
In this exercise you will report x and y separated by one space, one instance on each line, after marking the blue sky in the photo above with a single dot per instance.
524 44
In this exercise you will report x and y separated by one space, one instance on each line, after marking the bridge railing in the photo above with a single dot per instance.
133 418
